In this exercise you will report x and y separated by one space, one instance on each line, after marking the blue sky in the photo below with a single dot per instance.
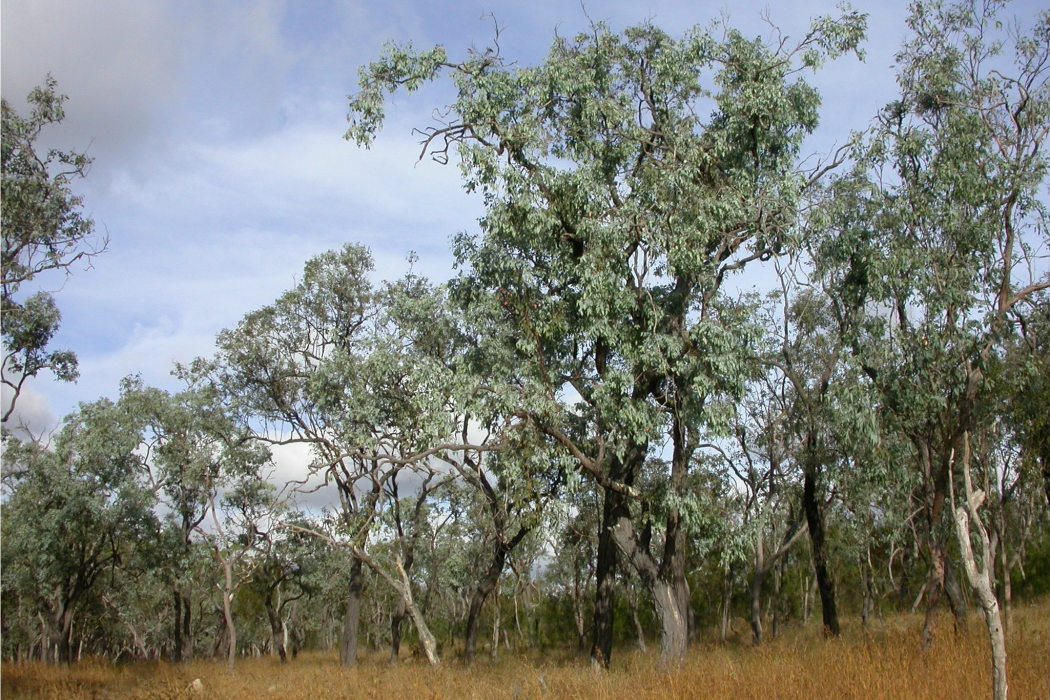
219 166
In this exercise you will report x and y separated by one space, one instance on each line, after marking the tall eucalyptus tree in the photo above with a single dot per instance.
947 269
624 178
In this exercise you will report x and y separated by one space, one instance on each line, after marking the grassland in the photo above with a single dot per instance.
884 661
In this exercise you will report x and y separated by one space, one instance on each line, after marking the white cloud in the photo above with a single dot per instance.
32 417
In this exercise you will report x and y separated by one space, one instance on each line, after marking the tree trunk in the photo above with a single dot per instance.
425 636
276 630
227 611
187 626
1007 584
60 634
667 583
352 616
774 601
496 610
756 604
176 652
812 504
1046 478
577 610
639 631
868 579
484 588
981 573
614 508
727 603
672 607
396 622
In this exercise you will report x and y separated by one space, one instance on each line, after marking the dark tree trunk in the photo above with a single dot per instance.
614 509
183 642
487 584
61 633
352 617
176 652
1046 479
187 627
477 600
956 597
276 629
812 503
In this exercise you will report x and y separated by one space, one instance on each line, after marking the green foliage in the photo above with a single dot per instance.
43 230
76 512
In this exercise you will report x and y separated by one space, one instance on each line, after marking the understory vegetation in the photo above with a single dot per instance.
883 661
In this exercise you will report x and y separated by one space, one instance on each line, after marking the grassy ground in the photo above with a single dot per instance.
885 661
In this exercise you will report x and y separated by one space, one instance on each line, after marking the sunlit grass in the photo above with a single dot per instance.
885 661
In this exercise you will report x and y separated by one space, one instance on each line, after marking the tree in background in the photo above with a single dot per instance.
946 267
75 515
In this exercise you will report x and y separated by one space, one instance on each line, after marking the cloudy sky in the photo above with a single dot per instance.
219 164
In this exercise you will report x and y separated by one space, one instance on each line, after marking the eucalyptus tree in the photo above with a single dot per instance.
948 267
514 504
75 514
192 446
829 419
283 576
248 506
624 179
334 364
270 363
44 230
760 467
1028 366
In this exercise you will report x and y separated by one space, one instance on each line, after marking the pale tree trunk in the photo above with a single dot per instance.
577 610
426 638
868 577
397 619
639 631
980 574
1007 585
227 611
278 632
672 607
666 583
664 577
757 580
775 600
403 585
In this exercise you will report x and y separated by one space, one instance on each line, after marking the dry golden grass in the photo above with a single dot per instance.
885 661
